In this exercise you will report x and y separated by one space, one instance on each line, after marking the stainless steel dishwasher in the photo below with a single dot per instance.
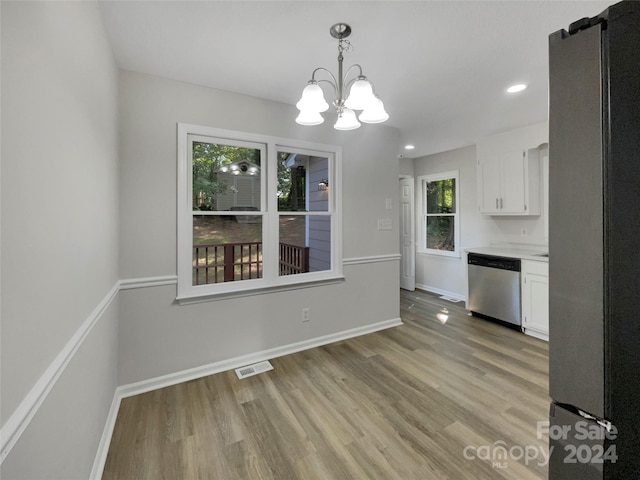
494 287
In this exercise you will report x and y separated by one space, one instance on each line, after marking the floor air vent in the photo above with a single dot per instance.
255 369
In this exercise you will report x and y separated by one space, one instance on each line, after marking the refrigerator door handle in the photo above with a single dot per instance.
600 421
606 424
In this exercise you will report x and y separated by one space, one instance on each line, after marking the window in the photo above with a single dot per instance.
255 212
440 232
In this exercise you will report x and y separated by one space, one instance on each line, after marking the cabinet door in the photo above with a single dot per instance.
513 182
489 185
535 302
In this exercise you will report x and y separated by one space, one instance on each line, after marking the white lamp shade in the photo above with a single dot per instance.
360 96
307 117
312 99
347 120
375 113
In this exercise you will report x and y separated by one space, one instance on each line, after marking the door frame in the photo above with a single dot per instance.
407 282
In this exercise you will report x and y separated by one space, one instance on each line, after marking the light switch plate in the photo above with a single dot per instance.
384 224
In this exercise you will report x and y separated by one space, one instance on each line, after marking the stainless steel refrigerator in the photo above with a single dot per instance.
594 247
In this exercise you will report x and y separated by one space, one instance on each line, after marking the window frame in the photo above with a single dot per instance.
424 179
271 280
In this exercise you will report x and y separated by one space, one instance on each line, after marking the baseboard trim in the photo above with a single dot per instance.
213 368
22 416
105 440
538 335
236 362
439 291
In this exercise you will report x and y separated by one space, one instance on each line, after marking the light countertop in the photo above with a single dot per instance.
523 252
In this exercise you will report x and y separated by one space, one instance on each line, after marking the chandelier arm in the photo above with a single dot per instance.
353 80
349 71
335 88
322 69
349 83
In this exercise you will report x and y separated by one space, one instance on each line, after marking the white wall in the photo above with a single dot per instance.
448 274
59 229
406 166
159 337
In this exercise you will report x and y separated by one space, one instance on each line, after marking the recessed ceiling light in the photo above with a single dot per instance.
516 88
409 147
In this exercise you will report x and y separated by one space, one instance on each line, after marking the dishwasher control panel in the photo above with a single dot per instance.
503 263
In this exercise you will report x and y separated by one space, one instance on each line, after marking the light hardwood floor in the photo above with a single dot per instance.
404 403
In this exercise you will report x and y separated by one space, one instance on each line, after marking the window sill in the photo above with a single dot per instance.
257 290
440 254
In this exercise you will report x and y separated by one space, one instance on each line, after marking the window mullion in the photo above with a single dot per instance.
270 239
185 225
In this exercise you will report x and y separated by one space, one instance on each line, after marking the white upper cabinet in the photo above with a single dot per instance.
509 171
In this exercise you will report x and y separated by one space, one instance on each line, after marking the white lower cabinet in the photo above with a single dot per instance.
535 298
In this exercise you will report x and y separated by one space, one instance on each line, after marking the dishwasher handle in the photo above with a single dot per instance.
491 261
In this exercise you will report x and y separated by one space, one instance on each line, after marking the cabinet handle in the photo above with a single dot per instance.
496 204
501 204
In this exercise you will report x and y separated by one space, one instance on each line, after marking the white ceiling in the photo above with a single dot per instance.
441 68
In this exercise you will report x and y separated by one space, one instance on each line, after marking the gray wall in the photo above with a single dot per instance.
59 228
62 439
159 337
448 274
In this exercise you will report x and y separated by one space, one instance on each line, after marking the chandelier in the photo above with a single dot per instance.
361 92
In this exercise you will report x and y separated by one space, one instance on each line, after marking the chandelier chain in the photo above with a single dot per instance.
344 46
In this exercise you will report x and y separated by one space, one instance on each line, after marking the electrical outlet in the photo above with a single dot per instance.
306 315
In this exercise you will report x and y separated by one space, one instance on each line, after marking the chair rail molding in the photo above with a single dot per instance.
19 420
393 257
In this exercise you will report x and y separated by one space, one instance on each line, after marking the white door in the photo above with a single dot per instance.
407 247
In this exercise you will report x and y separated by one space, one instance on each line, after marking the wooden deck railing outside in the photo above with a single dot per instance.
293 259
228 262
